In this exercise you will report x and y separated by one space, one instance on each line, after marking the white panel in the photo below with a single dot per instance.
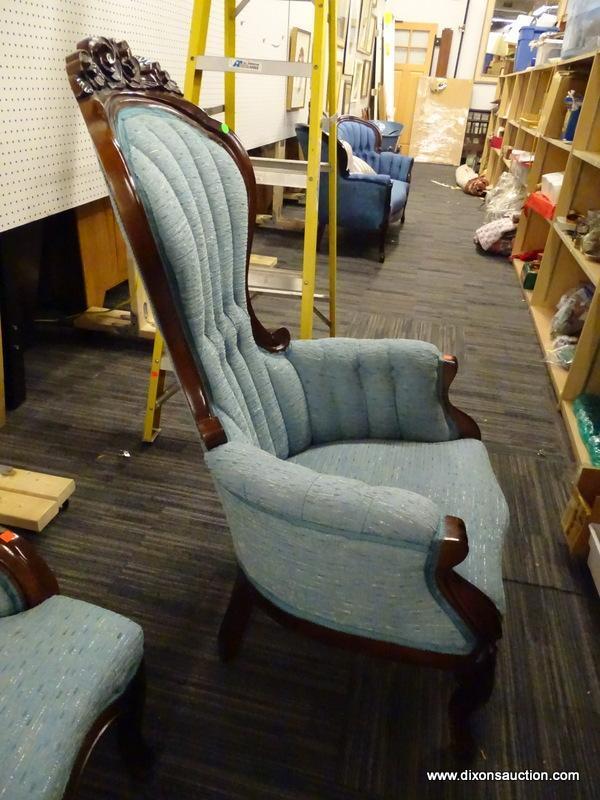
47 160
419 38
417 55
401 56
402 38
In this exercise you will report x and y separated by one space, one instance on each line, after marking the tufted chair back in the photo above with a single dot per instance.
196 202
362 136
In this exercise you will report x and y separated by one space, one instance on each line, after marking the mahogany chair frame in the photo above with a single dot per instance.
27 570
106 78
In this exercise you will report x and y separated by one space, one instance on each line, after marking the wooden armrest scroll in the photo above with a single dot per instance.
466 425
26 569
475 608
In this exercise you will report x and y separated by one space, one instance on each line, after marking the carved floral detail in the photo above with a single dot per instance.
108 64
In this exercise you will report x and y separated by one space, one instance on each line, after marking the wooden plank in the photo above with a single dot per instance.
104 319
262 261
25 511
441 69
440 120
37 484
103 254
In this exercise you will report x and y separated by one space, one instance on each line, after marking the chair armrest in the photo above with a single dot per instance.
374 389
25 571
364 560
366 178
292 491
394 165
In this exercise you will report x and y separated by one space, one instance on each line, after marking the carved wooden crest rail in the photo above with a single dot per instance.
107 64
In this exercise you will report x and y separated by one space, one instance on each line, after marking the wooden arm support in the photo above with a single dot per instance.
466 425
26 569
475 608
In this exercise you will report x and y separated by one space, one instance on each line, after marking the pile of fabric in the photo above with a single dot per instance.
503 206
470 182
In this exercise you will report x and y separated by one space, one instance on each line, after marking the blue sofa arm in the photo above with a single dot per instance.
363 201
394 165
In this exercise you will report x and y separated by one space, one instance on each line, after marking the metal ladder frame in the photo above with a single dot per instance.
325 17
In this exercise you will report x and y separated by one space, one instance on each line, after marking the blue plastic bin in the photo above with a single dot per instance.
390 131
524 55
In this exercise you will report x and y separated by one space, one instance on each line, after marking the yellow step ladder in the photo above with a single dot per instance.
325 17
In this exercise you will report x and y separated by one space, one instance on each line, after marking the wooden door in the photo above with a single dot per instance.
413 51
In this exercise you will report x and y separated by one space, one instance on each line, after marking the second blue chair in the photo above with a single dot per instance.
366 202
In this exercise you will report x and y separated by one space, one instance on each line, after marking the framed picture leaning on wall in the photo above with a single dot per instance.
351 38
343 7
363 27
365 83
347 88
300 52
356 81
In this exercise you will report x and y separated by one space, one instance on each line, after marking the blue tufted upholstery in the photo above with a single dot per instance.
352 549
61 664
399 194
361 138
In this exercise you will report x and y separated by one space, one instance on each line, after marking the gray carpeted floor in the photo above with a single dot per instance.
291 719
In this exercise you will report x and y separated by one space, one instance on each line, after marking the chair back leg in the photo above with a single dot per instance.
137 755
237 616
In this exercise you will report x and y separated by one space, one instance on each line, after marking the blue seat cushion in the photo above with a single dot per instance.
456 475
399 196
61 664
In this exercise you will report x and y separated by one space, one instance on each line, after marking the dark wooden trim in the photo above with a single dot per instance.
369 124
26 569
441 68
127 712
105 78
466 425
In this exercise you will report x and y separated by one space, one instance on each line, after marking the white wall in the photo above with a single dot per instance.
262 31
450 14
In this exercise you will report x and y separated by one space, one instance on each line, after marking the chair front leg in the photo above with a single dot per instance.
137 755
382 237
475 686
237 616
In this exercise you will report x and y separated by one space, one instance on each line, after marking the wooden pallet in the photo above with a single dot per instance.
31 500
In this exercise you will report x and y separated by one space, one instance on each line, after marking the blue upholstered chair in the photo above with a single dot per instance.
67 670
365 202
346 475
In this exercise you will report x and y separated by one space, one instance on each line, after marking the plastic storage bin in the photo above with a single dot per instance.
582 33
524 55
390 133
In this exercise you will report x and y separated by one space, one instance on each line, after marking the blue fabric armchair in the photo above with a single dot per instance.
67 670
365 202
349 481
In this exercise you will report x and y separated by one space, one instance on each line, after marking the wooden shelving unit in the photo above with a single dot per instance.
538 93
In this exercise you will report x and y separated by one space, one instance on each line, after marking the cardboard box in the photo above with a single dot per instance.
551 185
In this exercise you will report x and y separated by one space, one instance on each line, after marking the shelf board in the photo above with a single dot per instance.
559 143
579 448
591 268
513 122
542 319
531 131
589 156
497 150
506 162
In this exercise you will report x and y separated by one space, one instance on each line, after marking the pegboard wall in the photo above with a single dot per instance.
47 162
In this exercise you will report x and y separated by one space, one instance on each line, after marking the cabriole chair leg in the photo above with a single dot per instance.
137 755
475 685
237 616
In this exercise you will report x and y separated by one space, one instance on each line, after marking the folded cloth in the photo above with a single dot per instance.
356 164
491 232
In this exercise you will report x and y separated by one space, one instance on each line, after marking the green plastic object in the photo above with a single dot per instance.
225 127
587 414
